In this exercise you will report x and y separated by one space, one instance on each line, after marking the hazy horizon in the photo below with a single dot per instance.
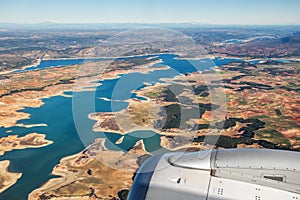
141 23
214 12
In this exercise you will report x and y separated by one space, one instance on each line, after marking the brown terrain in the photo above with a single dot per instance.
269 93
90 175
262 111
12 142
262 105
82 175
260 108
7 178
32 140
276 47
27 89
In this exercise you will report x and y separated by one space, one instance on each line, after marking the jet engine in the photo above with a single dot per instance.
241 174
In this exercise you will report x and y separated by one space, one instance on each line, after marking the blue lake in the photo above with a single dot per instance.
71 129
57 63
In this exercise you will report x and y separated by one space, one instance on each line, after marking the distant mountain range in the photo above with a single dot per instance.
55 25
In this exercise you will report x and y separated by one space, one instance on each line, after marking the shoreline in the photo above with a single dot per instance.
114 57
38 61
170 133
144 68
31 140
30 125
109 178
7 177
208 56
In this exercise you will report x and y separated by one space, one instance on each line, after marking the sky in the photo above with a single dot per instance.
244 12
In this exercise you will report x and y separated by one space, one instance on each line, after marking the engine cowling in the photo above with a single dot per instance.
254 174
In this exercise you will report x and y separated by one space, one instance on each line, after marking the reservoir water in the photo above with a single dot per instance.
57 112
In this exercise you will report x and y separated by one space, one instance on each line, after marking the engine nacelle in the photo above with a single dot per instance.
247 174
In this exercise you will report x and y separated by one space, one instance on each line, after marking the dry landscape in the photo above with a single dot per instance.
236 105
